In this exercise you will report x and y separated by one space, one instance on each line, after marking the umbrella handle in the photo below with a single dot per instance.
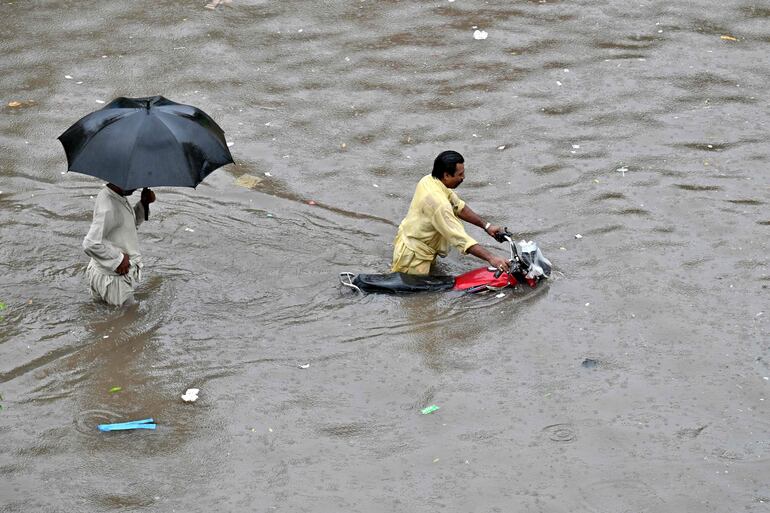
146 208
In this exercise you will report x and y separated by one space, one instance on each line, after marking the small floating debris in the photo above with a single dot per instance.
500 295
188 229
268 174
480 34
191 395
249 181
304 366
578 236
311 202
216 3
99 101
115 390
230 144
122 426
501 147
429 409
68 77
728 38
590 363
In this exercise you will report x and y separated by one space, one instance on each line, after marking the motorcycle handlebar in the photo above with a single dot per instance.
504 235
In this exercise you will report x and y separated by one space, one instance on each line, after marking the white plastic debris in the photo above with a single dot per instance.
480 34
588 304
68 77
229 144
500 295
304 366
558 83
191 395
578 236
501 147
189 230
622 170
267 173
576 146
99 101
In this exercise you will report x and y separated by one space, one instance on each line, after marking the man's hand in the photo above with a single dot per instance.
149 197
499 263
493 230
124 265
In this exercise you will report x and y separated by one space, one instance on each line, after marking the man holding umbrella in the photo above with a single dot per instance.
116 265
136 143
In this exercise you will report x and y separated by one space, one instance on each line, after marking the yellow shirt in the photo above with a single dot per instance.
430 227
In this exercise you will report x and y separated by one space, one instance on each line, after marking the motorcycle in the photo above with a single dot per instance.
527 265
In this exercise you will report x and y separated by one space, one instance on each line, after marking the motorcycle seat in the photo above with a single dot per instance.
401 282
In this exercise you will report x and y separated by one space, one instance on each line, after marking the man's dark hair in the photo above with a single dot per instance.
446 162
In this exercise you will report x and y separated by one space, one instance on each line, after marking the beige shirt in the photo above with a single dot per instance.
113 232
431 225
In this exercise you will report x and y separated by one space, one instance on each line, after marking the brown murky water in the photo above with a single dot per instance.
636 125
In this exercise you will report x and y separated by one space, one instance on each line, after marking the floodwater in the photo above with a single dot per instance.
636 380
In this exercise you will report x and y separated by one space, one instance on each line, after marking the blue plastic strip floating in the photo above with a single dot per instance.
134 424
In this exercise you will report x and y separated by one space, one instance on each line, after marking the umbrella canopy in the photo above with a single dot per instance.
146 142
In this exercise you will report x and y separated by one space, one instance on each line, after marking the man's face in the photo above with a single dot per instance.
453 181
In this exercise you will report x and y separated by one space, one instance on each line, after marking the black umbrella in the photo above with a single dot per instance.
146 142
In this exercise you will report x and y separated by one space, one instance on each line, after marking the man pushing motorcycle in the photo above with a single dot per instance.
432 223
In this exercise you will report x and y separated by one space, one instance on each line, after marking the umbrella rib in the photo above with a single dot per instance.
171 132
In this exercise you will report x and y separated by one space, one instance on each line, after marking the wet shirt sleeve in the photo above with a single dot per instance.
449 226
138 213
95 244
456 202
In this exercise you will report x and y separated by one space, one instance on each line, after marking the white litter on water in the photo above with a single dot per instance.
189 230
375 185
267 173
578 236
191 395
501 147
576 146
558 83
68 77
622 170
229 144
304 366
79 82
500 295
99 101
480 34
588 304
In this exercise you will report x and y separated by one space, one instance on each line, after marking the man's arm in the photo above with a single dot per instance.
495 261
142 207
468 215
97 246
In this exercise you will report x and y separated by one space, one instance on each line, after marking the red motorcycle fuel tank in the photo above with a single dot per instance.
483 277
